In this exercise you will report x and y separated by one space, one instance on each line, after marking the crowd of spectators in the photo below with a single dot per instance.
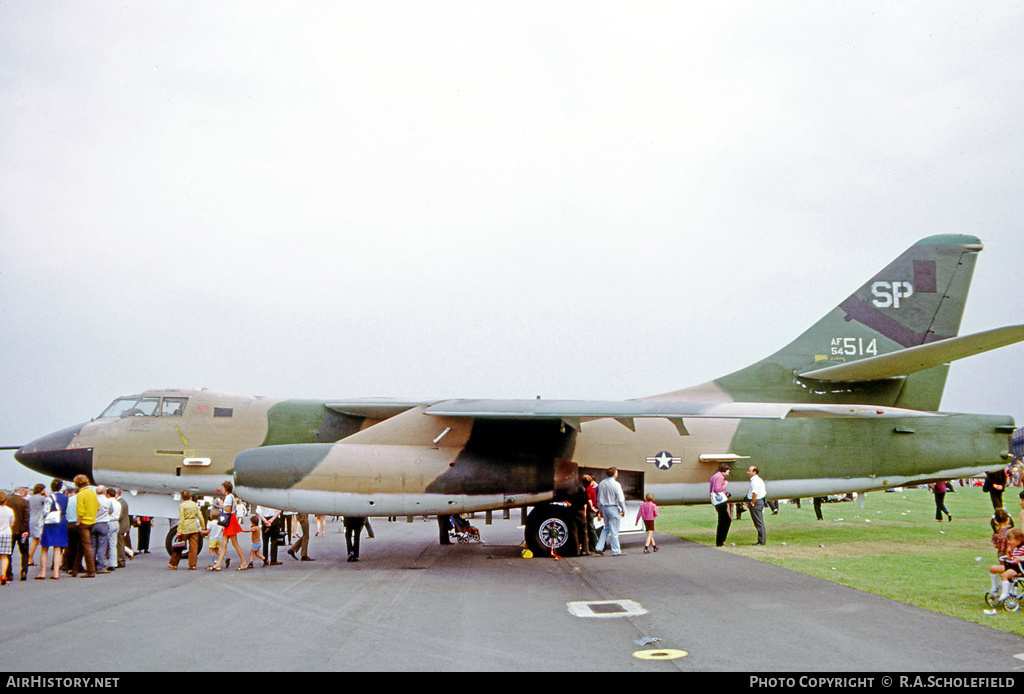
84 530
75 529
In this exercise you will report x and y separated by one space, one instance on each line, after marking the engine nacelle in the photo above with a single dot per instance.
393 480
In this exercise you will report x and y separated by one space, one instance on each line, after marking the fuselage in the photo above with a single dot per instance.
306 455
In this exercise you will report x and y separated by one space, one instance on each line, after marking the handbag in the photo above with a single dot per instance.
54 515
224 517
718 498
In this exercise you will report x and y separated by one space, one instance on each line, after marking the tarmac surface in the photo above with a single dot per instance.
410 604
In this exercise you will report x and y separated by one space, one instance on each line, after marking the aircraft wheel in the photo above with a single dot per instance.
549 528
169 540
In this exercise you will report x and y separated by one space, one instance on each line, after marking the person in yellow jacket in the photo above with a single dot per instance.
87 505
190 525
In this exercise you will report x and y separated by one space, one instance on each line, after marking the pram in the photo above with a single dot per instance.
462 531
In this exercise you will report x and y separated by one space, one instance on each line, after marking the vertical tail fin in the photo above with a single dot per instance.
917 299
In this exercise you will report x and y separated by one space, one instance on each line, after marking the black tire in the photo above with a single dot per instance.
550 527
169 540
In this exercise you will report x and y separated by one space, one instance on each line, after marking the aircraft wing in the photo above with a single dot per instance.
913 359
372 408
574 412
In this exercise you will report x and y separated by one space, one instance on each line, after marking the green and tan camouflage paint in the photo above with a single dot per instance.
809 437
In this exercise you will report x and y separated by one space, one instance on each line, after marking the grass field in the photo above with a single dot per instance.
893 548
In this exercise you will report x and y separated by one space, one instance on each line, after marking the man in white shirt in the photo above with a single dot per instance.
612 503
755 502
72 518
113 528
272 525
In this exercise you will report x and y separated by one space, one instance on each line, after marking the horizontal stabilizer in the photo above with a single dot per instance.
919 358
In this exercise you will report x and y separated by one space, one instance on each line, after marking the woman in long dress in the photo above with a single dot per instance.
35 520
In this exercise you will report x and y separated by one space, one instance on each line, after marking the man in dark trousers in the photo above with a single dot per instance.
273 528
444 524
579 502
353 529
755 502
995 483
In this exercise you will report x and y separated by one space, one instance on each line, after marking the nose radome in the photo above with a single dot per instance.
50 455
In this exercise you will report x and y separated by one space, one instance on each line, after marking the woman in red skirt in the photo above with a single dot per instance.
231 531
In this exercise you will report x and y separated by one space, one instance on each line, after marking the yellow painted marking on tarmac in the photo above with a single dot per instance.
660 654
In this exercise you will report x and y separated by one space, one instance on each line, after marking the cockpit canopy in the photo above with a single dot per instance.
146 406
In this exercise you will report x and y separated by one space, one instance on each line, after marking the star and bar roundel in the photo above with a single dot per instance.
664 460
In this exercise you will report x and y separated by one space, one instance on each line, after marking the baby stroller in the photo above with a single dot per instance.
462 531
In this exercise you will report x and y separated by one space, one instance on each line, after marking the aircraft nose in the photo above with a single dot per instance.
51 456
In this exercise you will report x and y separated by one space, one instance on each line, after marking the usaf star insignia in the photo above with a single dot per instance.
664 460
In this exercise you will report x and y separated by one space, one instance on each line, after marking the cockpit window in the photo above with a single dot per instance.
135 406
173 407
121 407
145 407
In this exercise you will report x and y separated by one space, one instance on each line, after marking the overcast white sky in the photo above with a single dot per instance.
464 199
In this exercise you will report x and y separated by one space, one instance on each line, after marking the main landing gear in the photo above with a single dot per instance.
550 530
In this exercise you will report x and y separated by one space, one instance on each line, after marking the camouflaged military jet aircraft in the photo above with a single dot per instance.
850 405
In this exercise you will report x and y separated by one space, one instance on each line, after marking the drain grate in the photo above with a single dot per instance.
606 608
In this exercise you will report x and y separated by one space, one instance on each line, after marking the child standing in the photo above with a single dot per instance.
1010 567
648 511
1001 524
216 534
257 545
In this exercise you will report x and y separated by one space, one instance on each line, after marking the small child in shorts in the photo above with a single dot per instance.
214 537
257 545
648 511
